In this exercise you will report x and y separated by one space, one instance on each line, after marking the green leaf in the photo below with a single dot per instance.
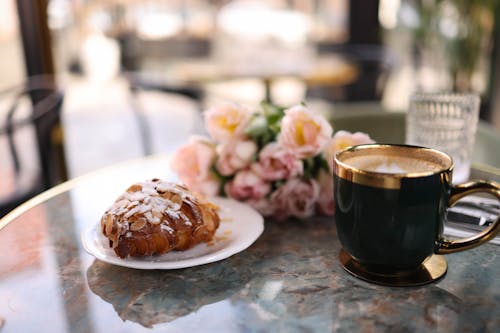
261 130
322 163
218 175
272 112
307 165
313 165
275 127
271 109
258 126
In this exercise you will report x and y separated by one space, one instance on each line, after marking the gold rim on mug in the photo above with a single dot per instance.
389 180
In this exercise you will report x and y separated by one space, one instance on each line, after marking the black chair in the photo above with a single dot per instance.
43 120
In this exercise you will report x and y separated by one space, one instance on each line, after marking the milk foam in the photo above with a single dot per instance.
392 164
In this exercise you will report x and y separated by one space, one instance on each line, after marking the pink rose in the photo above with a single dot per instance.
209 186
235 155
247 185
342 140
226 121
326 206
276 163
295 198
192 163
304 132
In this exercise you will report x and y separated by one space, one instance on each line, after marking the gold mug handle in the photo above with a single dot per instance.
458 192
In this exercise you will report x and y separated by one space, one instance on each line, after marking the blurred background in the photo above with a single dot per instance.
133 76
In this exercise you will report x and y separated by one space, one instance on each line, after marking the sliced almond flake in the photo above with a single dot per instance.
185 219
135 196
173 213
148 215
138 225
133 211
134 188
167 228
165 186
133 203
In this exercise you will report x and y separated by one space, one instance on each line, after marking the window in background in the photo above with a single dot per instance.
11 58
442 45
331 21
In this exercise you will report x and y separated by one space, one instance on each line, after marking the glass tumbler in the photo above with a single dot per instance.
447 122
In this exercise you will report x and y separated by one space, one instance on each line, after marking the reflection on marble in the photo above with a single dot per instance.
152 297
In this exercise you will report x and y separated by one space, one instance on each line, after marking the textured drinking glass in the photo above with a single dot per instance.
447 122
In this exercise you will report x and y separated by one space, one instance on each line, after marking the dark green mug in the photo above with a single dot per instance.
391 203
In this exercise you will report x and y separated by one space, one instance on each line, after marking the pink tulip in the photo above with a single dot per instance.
295 198
209 186
276 163
326 206
234 155
226 121
303 132
245 185
192 163
342 140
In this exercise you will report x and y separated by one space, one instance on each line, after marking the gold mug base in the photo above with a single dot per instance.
432 269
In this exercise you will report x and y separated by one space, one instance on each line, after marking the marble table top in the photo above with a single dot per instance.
289 280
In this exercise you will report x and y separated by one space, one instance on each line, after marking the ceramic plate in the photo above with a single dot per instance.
240 226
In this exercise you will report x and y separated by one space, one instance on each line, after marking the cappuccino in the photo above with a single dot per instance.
392 164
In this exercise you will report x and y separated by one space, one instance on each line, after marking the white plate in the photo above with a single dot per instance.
240 226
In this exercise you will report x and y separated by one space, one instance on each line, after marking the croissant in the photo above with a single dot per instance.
156 217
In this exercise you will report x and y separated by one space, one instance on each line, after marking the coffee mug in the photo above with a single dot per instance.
391 203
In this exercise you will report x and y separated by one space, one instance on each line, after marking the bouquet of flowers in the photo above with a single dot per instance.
278 160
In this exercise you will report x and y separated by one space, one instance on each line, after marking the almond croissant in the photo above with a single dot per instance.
155 217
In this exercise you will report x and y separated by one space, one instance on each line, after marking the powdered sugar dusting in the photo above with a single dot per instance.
153 199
